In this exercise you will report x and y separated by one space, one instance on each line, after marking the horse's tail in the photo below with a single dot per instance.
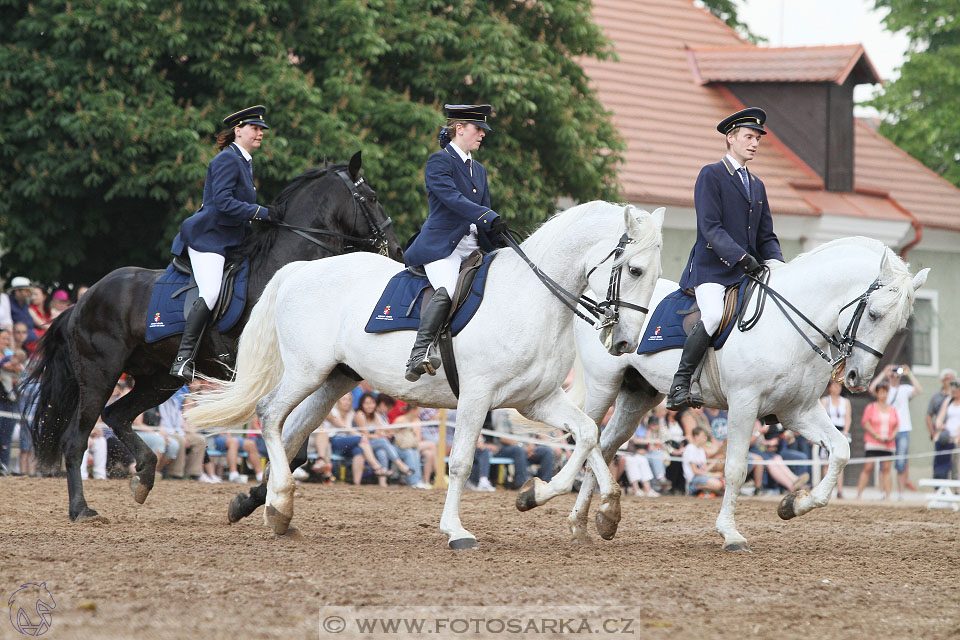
577 392
51 388
259 367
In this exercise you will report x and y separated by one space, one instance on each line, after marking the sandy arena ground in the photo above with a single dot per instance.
173 568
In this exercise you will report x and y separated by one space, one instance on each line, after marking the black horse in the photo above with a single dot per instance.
82 355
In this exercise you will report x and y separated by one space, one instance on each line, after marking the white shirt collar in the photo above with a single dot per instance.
736 165
463 156
246 154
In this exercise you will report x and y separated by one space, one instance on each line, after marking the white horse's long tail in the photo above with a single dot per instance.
259 366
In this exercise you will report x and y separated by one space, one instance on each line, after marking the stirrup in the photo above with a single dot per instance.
682 397
419 365
184 370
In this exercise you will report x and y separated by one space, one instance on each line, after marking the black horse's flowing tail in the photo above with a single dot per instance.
52 383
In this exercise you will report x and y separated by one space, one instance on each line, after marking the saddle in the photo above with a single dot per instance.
407 294
230 271
674 318
174 293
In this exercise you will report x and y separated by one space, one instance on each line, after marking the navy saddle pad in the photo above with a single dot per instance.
665 329
399 306
165 313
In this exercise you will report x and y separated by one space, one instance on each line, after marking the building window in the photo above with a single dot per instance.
924 335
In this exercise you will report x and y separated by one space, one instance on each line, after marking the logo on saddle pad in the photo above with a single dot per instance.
656 334
156 322
385 314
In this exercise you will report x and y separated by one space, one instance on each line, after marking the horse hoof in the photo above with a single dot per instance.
608 516
139 489
579 536
737 546
527 498
787 508
463 544
89 515
238 509
279 522
292 534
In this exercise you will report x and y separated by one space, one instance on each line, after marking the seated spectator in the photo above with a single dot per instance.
159 442
193 446
763 448
411 447
479 479
522 454
20 292
367 419
232 444
59 302
352 445
340 419
696 471
96 453
880 423
39 311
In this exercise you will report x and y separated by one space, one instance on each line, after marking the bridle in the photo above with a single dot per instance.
605 313
843 343
378 232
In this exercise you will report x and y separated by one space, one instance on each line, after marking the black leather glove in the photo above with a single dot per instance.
499 226
750 264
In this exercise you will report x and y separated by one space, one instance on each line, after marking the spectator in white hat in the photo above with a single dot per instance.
21 290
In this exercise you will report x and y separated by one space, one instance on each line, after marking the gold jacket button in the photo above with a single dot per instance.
474 190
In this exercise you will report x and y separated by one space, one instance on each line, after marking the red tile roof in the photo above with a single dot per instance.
668 118
783 64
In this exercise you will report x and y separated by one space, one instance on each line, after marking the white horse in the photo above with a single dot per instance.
769 369
308 328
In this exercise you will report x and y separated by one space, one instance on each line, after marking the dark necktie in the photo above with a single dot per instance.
743 178
469 165
250 167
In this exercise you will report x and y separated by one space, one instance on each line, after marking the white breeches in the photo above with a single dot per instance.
710 301
208 272
444 272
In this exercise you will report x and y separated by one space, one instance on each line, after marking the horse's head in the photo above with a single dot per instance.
882 312
631 278
343 209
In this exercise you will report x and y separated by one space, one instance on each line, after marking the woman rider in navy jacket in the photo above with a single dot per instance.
221 223
460 222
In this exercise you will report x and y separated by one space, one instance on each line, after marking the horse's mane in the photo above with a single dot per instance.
897 293
543 239
261 243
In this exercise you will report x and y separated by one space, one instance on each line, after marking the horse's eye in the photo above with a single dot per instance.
636 272
873 315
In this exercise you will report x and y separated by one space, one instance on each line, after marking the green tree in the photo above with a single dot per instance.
920 106
726 10
114 104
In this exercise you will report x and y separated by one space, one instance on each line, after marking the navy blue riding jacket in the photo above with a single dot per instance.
456 200
229 204
729 224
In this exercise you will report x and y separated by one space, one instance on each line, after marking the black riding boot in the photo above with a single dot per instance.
694 348
431 320
192 333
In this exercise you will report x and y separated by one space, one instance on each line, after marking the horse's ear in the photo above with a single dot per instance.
354 167
631 224
920 278
658 217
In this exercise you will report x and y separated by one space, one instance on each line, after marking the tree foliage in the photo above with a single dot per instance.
114 104
726 10
920 106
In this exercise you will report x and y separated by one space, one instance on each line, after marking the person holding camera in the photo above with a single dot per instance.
899 398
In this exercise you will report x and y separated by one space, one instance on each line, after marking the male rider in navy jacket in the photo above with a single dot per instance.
734 233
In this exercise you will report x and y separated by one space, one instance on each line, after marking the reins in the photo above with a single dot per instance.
608 310
844 343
